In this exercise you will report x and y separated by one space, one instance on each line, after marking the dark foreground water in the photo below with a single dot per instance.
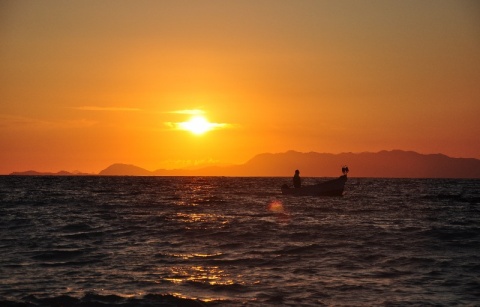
202 241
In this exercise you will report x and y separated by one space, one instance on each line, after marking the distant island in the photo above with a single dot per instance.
60 173
383 164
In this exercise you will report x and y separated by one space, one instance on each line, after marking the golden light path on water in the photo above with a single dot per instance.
208 275
198 196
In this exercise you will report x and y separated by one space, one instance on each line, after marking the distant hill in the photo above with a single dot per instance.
125 170
119 169
387 164
60 173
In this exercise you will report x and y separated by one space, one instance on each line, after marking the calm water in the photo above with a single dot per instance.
201 241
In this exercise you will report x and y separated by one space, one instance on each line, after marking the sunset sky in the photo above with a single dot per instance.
84 84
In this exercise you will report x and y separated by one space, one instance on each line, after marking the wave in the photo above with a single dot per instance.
93 299
237 242
53 255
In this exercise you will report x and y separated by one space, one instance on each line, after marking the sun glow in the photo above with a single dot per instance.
197 125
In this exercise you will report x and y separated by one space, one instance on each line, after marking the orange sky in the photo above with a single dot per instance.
84 84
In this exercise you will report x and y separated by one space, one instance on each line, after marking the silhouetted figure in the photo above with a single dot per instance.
345 170
297 182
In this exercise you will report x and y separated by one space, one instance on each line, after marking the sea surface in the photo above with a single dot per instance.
226 241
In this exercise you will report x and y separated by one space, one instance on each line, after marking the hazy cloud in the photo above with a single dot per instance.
114 109
189 126
188 112
179 164
20 122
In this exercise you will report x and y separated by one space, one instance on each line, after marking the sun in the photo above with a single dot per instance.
197 125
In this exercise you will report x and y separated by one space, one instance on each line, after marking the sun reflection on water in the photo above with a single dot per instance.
212 275
202 220
190 256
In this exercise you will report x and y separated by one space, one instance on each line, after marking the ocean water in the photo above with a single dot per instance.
214 241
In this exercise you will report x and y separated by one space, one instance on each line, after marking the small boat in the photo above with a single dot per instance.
327 188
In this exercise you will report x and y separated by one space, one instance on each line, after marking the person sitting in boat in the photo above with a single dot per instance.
297 182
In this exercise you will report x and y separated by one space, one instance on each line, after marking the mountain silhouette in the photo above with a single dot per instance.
60 173
119 169
386 164
383 164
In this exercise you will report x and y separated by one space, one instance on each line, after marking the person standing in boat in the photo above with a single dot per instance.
297 182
